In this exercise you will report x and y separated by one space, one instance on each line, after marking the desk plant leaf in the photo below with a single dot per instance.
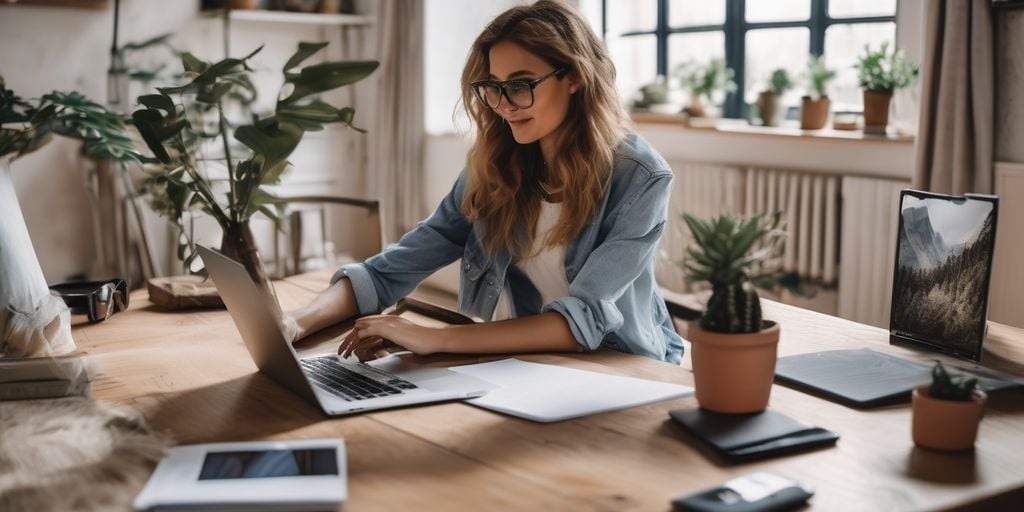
176 119
729 254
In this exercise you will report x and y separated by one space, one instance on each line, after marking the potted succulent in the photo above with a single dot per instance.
946 414
882 72
815 106
177 122
733 348
768 100
703 82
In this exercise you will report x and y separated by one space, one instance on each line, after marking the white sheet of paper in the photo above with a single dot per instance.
546 393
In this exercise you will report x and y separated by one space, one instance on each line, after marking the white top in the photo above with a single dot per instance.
546 269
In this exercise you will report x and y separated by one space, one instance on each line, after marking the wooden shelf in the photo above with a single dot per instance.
299 18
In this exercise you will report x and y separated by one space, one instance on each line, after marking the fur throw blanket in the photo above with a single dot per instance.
73 454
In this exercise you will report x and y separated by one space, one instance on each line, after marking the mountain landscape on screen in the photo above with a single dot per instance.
941 280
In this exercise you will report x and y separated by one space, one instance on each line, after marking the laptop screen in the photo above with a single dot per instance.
941 279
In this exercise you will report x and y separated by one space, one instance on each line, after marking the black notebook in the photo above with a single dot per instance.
744 437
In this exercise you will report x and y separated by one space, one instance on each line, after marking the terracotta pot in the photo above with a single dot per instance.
946 424
768 104
814 112
876 110
733 373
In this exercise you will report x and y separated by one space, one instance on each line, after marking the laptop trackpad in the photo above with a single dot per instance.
435 379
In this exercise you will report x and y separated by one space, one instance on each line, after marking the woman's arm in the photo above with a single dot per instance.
333 305
546 332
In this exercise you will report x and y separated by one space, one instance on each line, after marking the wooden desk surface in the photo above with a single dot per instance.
189 373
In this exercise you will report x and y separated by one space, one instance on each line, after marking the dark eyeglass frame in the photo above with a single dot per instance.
503 88
97 299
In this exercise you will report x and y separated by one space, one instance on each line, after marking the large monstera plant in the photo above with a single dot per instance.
178 122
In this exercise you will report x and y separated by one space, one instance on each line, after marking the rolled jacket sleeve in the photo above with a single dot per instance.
385 278
614 266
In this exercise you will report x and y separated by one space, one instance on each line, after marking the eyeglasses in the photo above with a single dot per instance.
97 299
518 92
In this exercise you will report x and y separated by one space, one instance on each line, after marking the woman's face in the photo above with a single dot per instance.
509 61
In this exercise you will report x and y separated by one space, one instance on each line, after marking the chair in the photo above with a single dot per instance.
369 229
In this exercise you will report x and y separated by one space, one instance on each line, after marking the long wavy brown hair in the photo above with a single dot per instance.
503 190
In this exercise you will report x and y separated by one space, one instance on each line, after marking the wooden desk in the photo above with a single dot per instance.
190 375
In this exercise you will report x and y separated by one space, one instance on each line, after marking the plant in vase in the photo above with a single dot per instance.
768 100
733 348
946 413
654 97
32 322
703 82
176 121
881 73
815 106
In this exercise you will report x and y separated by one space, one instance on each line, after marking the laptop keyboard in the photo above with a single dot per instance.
353 381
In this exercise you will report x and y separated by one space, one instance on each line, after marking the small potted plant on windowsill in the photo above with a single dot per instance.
703 82
946 414
881 73
654 97
768 100
733 349
815 106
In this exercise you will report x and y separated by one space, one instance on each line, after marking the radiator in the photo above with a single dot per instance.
809 204
870 220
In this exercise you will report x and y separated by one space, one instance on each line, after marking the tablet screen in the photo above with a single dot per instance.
943 265
269 464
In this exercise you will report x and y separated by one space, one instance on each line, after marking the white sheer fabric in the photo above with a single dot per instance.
396 162
33 323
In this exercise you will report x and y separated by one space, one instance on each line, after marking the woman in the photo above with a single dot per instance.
552 154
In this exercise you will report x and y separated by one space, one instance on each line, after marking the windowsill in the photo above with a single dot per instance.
791 130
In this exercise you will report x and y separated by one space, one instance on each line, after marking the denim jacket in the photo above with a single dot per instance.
613 298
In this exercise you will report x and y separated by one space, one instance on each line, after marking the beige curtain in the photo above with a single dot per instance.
955 136
396 157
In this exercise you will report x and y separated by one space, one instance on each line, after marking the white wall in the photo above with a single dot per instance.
47 48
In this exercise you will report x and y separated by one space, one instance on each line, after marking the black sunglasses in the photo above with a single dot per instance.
518 92
97 299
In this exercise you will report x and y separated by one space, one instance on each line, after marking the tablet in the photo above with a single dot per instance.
259 475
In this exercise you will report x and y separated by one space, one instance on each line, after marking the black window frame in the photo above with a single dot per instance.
735 29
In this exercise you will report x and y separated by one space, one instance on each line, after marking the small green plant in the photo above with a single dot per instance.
729 254
703 81
818 76
654 93
946 386
779 82
884 71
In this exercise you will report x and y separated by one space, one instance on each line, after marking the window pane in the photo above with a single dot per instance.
698 47
778 10
635 59
843 44
848 8
687 13
772 48
632 15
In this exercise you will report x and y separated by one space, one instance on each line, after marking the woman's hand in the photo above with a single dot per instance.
372 335
292 331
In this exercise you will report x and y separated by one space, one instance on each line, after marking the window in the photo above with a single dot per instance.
648 38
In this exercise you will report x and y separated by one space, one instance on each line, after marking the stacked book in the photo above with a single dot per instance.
45 377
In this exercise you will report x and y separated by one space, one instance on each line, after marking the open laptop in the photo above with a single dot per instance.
338 386
939 300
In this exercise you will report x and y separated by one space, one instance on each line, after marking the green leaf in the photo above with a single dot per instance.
306 50
156 128
159 101
271 142
325 77
193 64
